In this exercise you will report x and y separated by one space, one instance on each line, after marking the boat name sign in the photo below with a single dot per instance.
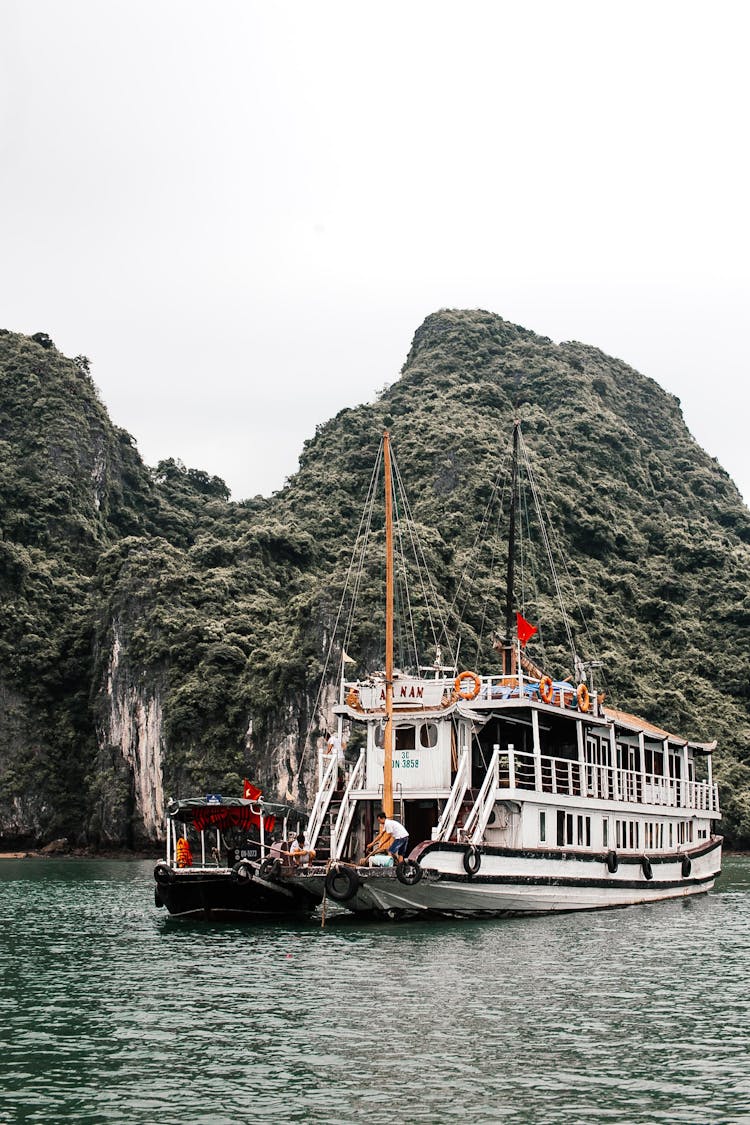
406 693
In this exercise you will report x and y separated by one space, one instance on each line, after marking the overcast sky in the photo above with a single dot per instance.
242 211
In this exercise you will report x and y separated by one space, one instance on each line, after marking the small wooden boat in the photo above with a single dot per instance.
219 855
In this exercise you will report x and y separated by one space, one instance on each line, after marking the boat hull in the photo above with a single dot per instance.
218 894
509 882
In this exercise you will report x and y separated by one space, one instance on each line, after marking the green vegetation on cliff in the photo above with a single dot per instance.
119 583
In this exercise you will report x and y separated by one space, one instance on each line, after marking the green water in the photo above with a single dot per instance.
112 1012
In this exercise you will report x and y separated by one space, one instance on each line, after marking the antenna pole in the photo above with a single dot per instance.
388 737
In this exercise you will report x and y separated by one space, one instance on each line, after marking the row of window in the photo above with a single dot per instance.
574 830
424 735
599 753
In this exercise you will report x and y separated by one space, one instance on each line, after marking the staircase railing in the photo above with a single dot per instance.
340 830
444 827
322 801
476 821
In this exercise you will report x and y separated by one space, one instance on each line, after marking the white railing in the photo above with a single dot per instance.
565 776
345 816
476 821
446 824
322 801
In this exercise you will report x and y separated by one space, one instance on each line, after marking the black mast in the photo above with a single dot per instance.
508 650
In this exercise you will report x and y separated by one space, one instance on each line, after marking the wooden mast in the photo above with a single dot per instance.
388 736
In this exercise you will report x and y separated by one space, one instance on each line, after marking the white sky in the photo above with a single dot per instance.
241 211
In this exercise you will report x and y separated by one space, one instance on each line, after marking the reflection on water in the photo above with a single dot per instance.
112 1012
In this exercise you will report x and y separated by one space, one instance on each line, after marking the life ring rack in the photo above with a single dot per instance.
470 692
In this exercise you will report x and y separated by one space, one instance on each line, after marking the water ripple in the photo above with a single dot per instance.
112 1012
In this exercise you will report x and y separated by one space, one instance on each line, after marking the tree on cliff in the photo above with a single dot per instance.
146 593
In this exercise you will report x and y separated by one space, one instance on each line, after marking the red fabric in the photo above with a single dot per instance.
250 792
223 817
525 629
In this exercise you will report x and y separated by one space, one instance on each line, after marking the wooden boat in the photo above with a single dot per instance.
219 856
521 794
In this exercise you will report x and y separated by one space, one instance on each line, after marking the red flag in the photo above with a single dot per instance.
251 792
525 629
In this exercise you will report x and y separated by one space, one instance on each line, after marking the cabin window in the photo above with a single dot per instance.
584 831
605 833
671 840
564 829
428 735
618 834
542 827
405 738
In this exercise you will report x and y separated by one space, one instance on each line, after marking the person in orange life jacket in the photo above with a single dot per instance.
389 827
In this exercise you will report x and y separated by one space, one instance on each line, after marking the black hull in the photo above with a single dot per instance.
219 895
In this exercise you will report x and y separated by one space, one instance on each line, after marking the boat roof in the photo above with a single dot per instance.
228 811
635 723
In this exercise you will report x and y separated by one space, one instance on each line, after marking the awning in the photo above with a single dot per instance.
230 812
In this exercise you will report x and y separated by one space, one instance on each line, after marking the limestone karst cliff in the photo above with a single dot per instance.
157 639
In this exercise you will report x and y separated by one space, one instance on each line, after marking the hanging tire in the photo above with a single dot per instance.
472 861
612 862
242 872
342 883
270 868
687 866
409 873
163 873
157 897
646 867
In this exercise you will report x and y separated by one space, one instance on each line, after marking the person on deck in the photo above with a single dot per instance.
336 747
399 838
299 852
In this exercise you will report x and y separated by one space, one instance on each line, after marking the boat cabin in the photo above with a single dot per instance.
516 765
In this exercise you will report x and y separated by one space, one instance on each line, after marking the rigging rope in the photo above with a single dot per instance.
366 524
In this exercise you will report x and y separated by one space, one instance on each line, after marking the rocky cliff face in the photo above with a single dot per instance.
157 640
132 740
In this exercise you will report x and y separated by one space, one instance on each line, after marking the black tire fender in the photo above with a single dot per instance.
157 897
270 868
342 883
687 866
612 862
242 872
646 867
472 861
409 872
163 873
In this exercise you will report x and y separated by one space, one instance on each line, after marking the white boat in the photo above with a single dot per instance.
521 794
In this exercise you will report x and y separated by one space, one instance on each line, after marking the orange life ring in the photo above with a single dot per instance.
352 700
583 698
471 692
546 689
